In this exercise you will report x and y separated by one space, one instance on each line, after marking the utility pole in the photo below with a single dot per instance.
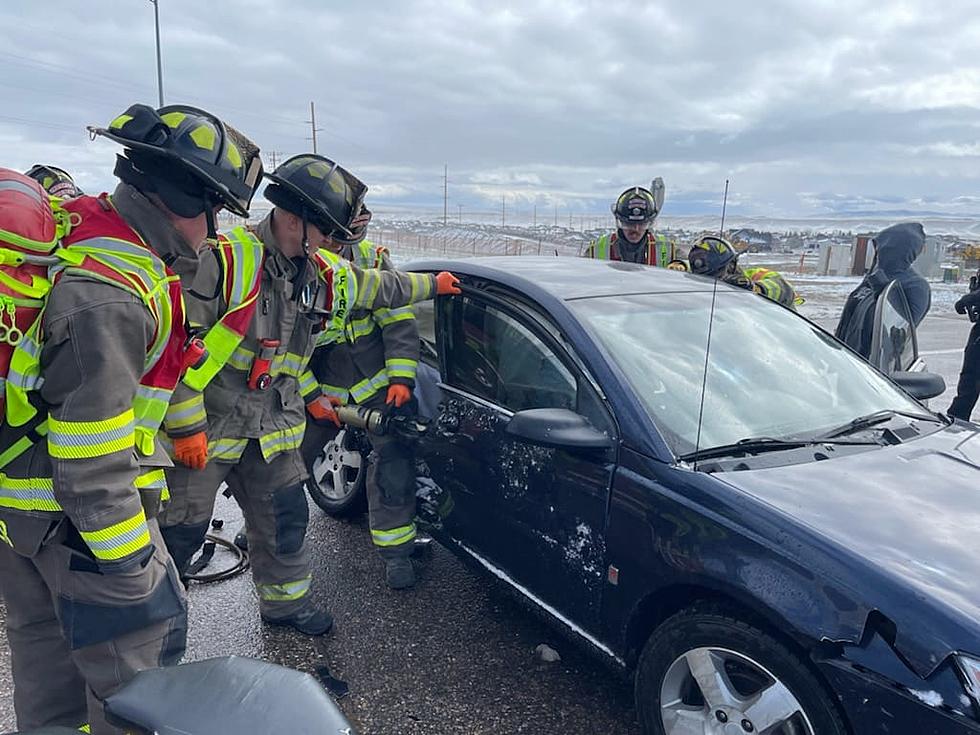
445 195
274 158
156 21
556 215
459 214
313 126
535 216
724 206
503 209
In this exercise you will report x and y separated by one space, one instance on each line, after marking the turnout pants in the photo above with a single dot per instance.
968 387
273 500
76 634
390 485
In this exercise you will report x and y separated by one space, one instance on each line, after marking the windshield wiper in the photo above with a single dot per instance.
872 419
759 445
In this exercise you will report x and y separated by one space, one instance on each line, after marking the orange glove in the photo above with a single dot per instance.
446 284
192 450
398 394
321 409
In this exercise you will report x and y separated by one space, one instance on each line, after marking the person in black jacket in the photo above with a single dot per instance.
896 248
968 387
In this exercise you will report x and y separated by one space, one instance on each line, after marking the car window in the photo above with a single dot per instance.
426 323
770 373
492 355
893 345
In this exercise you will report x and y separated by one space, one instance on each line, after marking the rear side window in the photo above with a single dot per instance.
493 356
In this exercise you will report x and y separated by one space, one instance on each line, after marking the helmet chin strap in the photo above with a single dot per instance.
209 216
306 236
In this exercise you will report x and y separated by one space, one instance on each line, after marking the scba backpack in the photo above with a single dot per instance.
31 227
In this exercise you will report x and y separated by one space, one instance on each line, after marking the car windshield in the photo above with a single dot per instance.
770 373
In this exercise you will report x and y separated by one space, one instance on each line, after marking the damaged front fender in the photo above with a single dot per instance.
883 693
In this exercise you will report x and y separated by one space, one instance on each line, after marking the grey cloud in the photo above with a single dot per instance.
548 101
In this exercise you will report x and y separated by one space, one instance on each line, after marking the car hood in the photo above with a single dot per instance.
911 512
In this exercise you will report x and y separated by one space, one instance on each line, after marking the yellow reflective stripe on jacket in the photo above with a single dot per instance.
399 367
284 592
359 328
288 363
421 286
370 285
366 388
393 536
154 480
229 450
87 439
37 493
32 494
384 317
118 540
307 384
186 413
334 390
241 359
276 442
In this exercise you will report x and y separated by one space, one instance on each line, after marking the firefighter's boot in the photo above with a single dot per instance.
399 573
308 620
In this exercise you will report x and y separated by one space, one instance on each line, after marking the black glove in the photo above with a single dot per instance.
965 302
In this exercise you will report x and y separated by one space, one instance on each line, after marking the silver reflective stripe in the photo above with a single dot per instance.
23 188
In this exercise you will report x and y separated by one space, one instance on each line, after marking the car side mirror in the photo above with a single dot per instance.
920 385
557 428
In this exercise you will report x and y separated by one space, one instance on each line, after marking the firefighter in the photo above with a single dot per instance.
373 364
715 257
91 595
240 417
634 241
57 182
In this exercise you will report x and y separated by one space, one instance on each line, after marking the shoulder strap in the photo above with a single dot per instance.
241 255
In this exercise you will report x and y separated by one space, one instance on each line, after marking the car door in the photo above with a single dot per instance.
536 514
894 346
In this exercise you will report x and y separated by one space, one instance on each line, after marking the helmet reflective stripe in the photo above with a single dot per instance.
225 162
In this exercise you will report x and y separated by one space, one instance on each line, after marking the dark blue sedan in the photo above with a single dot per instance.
709 491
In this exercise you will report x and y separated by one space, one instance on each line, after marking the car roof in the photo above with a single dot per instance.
569 278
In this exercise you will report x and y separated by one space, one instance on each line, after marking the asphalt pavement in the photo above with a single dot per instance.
456 654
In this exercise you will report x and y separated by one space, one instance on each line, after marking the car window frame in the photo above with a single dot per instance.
545 331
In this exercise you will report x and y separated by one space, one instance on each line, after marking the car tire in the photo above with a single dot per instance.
338 475
752 679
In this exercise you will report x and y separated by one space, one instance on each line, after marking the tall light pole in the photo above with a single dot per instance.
156 18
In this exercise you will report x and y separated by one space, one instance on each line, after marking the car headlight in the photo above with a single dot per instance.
971 675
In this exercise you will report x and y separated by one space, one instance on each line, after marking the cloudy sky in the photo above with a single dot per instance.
810 107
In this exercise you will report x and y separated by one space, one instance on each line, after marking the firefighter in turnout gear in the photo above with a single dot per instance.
715 257
240 417
373 364
91 595
634 241
57 182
